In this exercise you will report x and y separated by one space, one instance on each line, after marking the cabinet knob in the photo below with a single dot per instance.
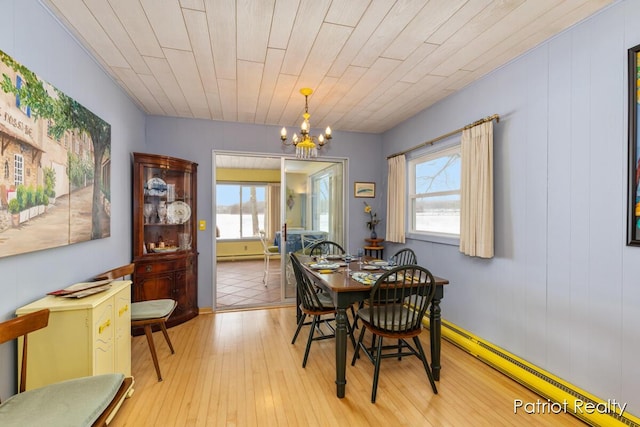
123 310
149 268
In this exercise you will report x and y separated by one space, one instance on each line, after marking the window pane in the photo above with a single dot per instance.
435 192
321 203
240 210
438 214
439 174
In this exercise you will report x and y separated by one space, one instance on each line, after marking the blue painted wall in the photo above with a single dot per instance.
29 34
563 290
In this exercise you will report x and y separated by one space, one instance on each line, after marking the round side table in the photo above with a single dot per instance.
374 248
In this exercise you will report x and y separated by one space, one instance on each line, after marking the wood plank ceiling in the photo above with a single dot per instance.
371 63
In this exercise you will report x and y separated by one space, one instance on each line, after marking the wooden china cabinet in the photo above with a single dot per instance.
165 249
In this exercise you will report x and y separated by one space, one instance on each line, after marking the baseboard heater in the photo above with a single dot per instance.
590 409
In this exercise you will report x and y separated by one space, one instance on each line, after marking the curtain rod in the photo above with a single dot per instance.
446 135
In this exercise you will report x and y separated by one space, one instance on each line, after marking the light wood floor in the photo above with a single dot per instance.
240 369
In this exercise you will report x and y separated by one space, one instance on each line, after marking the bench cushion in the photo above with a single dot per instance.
151 309
77 402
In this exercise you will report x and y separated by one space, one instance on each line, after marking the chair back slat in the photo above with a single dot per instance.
331 248
405 256
403 284
307 292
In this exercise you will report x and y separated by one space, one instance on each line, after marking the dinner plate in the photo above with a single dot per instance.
370 267
378 262
178 212
156 187
366 278
334 256
324 266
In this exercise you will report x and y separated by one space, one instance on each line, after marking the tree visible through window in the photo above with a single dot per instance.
240 210
434 192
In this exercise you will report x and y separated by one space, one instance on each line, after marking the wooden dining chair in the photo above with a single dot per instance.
146 314
86 401
405 256
326 247
387 316
315 304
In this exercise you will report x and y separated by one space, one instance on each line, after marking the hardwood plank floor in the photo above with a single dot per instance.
240 369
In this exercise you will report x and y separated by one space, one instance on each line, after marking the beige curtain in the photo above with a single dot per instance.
476 188
396 194
336 231
272 220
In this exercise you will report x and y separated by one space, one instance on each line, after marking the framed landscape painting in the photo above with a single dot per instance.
364 189
55 165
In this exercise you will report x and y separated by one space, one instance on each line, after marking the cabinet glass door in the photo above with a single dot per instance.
166 211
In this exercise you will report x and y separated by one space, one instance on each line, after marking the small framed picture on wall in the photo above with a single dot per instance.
364 189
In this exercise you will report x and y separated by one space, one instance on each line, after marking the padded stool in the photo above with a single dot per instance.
149 313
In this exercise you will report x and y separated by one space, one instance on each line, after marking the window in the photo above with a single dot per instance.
320 201
326 201
18 166
27 110
240 210
434 192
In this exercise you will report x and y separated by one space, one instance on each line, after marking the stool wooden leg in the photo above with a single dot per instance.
152 347
166 336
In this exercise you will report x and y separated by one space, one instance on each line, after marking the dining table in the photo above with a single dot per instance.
345 291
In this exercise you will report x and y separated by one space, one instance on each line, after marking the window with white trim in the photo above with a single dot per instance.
18 169
434 192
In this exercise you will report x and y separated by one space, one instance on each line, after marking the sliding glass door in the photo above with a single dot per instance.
312 208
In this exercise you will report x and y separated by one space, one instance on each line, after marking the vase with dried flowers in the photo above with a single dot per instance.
373 220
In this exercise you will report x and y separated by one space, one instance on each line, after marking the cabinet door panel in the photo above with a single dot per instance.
154 287
180 293
123 332
103 329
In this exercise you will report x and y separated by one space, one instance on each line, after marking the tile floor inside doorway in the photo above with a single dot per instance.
239 284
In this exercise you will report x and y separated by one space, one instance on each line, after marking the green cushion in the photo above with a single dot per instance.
151 309
77 402
274 249
396 318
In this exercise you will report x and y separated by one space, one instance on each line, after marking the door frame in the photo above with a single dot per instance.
283 157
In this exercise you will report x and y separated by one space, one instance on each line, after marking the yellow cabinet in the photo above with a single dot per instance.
86 336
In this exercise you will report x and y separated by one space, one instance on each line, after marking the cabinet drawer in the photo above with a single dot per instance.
160 267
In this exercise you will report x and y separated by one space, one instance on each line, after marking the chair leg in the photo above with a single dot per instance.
265 275
350 331
376 371
300 323
416 341
356 354
152 347
163 326
314 324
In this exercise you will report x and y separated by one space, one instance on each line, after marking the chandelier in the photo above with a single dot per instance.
307 146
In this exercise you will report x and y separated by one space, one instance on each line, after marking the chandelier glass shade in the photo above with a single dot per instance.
307 146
